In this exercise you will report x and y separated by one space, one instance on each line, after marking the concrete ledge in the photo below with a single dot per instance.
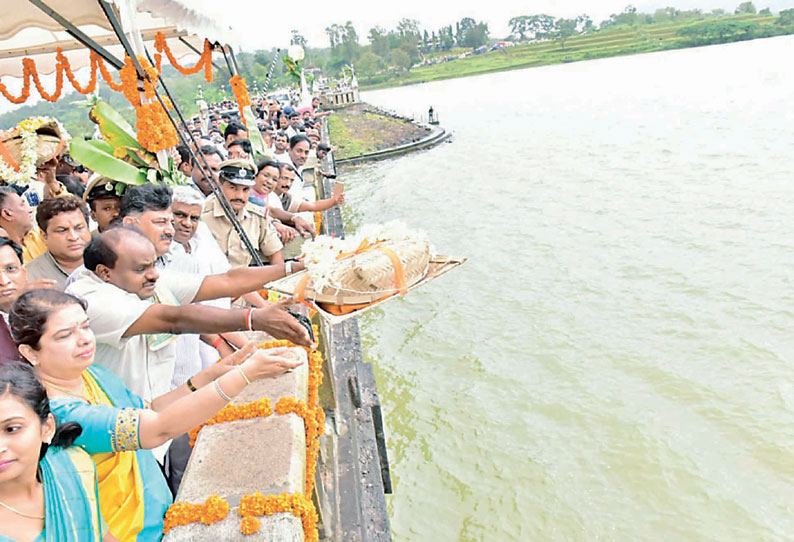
436 136
245 456
275 528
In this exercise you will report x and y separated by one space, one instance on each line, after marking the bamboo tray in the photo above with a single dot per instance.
437 266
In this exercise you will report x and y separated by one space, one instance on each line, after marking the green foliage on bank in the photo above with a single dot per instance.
614 38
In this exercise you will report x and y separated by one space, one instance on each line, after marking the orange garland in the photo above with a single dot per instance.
229 413
213 510
257 504
240 94
161 45
154 129
318 221
296 504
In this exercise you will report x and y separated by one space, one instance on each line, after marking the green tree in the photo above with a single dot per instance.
584 24
564 29
408 27
369 64
665 15
745 7
719 31
401 59
297 39
335 33
786 17
519 27
718 12
765 11
349 45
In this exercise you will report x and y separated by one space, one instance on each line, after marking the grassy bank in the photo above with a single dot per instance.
600 44
359 129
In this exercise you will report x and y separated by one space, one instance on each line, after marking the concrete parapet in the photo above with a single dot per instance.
242 457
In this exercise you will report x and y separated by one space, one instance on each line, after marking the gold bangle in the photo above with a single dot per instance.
245 377
190 385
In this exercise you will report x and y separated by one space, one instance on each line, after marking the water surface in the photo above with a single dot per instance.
614 362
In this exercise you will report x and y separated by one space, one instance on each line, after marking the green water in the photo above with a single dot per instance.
615 361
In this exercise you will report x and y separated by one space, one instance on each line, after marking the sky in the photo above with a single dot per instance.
264 25
261 33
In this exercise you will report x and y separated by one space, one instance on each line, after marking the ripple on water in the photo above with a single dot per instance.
614 361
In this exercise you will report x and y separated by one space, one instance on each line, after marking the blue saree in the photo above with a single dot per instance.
133 494
71 508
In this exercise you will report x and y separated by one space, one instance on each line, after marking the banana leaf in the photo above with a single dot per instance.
100 161
257 142
114 128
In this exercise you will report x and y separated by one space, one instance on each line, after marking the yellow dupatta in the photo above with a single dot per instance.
121 497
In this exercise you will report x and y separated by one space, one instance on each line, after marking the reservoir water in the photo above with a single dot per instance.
616 359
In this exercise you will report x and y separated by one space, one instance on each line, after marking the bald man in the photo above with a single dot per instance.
135 310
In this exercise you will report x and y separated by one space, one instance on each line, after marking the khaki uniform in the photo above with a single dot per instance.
255 224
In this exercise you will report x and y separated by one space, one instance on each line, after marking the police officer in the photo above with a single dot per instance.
236 179
104 201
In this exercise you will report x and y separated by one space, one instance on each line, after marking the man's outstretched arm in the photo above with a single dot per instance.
272 319
241 280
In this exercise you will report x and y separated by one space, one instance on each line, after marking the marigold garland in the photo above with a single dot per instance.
213 510
300 505
30 72
285 503
240 92
249 525
255 409
318 221
154 129
161 46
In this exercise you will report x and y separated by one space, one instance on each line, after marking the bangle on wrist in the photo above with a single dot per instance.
220 391
190 385
288 268
293 218
249 319
218 342
245 376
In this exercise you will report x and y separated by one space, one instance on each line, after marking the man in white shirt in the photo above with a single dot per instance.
281 144
299 147
135 310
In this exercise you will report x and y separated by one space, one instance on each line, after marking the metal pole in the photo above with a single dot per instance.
270 72
214 185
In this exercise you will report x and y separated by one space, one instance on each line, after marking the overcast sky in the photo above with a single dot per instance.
265 32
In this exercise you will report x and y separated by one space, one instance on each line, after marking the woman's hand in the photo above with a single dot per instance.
225 364
267 364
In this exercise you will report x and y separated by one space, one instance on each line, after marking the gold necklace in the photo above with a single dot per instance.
14 510
87 394
81 395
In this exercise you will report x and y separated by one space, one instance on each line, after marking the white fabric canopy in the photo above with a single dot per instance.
25 30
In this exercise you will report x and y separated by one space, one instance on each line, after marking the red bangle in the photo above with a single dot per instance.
249 322
218 342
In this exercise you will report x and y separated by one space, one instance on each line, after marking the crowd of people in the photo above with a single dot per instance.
128 314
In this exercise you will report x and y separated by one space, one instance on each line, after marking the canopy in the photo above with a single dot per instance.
26 30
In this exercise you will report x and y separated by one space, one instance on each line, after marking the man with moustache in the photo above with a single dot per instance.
237 178
281 144
136 310
64 225
213 159
299 147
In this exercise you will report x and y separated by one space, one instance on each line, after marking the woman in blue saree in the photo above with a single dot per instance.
48 490
52 331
